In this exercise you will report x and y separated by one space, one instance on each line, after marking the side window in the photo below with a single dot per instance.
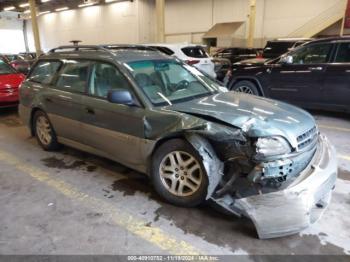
106 77
74 76
44 71
343 54
313 54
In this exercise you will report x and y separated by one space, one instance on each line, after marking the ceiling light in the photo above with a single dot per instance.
61 9
44 1
43 13
111 1
26 11
9 8
24 5
87 4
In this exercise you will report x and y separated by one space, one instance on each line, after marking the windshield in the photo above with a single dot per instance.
166 82
5 68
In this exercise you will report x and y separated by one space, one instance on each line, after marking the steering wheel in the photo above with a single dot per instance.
183 84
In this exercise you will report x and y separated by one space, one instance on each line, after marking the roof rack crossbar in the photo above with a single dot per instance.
78 47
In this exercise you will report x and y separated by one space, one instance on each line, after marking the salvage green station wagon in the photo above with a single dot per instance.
252 156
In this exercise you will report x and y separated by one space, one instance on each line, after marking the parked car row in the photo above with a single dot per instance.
21 62
155 113
10 80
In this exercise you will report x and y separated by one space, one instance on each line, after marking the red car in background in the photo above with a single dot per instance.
10 80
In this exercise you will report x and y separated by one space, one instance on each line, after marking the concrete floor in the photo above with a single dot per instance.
71 202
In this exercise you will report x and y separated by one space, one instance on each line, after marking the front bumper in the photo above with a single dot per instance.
296 207
8 99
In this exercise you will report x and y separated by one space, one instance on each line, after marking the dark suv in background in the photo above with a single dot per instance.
236 54
314 75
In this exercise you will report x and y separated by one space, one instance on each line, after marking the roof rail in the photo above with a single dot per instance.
79 47
128 46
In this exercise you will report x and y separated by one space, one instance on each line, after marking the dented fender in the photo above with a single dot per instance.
212 164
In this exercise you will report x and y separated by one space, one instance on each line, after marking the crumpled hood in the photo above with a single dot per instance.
256 116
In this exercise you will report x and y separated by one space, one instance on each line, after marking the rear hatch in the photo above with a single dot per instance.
199 58
274 49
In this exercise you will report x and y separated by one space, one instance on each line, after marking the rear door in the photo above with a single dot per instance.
336 87
301 80
63 101
113 129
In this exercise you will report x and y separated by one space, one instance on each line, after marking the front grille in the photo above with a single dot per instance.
307 138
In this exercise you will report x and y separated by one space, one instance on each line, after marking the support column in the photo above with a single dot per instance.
160 5
251 29
35 27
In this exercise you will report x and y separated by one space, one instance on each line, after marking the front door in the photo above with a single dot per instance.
300 79
115 130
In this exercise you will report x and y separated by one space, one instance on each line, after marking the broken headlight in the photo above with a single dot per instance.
271 146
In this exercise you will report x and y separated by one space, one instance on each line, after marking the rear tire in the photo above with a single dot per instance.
44 132
178 174
246 87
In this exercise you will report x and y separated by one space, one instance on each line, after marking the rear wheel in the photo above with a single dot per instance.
44 132
246 87
178 174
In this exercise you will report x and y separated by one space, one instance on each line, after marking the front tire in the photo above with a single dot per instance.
178 174
246 87
44 132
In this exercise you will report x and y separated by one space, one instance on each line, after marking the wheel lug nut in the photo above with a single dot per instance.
176 175
182 178
176 169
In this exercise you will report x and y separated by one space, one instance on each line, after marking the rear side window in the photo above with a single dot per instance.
343 54
44 71
106 77
195 52
5 69
74 76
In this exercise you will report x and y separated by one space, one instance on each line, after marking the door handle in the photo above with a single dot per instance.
89 110
317 68
47 99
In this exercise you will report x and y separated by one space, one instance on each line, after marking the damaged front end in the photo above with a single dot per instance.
282 194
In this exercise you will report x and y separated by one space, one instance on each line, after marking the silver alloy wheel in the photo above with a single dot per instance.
245 89
43 130
180 173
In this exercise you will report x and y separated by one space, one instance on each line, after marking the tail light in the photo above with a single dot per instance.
14 64
192 62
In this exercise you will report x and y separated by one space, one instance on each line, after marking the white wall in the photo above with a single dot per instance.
274 18
185 21
117 23
188 20
11 33
284 16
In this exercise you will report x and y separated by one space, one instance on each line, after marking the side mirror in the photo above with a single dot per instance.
120 96
288 59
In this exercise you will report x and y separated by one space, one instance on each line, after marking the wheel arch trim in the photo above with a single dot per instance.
255 80
214 167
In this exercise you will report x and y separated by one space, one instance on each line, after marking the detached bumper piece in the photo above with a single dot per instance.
299 205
